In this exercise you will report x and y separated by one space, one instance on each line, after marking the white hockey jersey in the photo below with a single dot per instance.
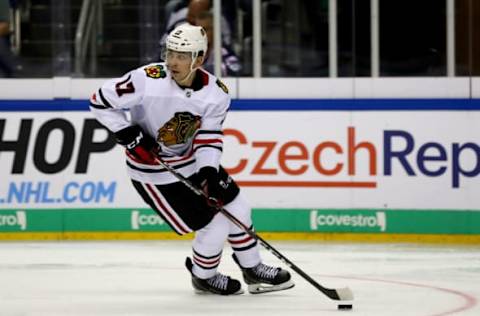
187 123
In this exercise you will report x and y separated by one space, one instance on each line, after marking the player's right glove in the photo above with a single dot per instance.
140 145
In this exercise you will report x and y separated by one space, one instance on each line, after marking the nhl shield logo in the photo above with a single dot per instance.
155 71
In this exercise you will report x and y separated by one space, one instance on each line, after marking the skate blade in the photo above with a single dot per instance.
204 292
266 288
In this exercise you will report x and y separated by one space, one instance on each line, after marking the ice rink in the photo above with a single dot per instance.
149 278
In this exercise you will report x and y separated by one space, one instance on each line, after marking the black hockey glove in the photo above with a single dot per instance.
209 181
139 144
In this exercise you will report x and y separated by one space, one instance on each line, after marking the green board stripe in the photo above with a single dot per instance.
399 221
369 221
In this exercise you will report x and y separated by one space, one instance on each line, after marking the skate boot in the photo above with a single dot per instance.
218 284
263 278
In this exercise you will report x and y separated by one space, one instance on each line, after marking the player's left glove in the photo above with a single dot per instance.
209 181
139 144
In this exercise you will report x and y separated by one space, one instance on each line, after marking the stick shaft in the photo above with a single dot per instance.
331 293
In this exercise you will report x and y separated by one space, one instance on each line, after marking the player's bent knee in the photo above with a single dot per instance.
240 208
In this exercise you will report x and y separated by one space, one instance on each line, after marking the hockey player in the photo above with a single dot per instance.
176 113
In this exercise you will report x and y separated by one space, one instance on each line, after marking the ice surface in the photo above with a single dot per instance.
149 278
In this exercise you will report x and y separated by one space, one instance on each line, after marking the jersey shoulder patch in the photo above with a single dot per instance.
155 71
222 86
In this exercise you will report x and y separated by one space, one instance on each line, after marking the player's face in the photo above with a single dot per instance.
179 64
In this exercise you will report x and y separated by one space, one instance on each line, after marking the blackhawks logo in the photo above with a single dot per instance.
179 129
155 71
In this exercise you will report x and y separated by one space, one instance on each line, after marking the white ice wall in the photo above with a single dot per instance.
271 88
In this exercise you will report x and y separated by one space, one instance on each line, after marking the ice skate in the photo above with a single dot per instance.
218 284
263 278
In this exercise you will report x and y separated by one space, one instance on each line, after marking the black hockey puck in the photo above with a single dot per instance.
345 306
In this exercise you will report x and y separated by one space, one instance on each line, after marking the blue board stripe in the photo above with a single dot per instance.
43 105
275 105
357 104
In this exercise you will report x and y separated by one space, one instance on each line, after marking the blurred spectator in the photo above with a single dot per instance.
180 11
175 14
230 62
7 60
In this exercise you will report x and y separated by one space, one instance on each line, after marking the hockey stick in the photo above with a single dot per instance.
341 294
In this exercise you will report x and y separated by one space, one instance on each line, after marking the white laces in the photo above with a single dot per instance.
265 271
219 281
